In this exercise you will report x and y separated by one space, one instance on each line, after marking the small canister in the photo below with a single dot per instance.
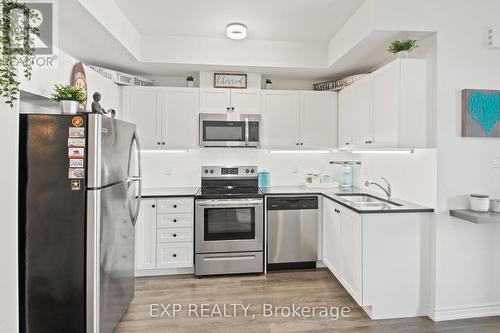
264 179
495 205
479 202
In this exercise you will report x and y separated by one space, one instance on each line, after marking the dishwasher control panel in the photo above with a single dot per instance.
292 203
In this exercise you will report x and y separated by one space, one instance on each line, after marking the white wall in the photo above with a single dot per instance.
9 120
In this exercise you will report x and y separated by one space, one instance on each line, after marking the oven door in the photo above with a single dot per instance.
229 225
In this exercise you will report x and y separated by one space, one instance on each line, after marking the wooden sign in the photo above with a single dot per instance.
80 80
230 80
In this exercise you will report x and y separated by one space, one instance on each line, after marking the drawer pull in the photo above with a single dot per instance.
174 255
175 235
175 206
175 220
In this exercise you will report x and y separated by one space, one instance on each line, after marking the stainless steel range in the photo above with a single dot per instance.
229 222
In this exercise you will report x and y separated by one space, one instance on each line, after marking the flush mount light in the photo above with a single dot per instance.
236 31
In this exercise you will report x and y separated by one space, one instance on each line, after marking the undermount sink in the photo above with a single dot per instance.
368 200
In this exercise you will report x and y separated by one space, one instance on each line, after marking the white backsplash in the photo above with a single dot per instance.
412 176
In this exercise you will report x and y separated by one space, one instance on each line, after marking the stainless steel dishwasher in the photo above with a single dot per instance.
292 230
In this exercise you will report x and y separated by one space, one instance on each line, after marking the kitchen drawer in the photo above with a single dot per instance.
173 255
175 205
181 220
174 235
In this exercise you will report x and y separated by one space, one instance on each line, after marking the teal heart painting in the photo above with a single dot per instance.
483 106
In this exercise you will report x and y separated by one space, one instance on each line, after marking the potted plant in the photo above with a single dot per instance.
69 97
403 47
18 46
268 84
190 81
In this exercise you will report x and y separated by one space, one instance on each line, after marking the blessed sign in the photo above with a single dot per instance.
229 80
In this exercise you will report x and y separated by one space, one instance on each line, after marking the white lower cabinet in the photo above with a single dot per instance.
145 236
378 258
165 237
175 255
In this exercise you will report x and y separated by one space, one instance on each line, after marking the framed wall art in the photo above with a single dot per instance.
230 80
480 113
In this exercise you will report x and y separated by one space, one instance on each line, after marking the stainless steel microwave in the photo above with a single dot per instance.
217 131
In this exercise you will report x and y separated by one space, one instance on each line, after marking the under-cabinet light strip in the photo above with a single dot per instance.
164 151
388 151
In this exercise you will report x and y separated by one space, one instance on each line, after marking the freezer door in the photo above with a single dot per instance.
110 142
110 254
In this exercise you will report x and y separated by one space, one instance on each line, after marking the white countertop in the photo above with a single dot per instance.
153 192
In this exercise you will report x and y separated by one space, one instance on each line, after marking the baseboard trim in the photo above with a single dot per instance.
164 271
464 312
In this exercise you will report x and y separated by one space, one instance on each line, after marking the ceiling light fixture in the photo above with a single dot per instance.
236 31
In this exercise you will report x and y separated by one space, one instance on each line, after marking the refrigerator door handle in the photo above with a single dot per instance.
137 178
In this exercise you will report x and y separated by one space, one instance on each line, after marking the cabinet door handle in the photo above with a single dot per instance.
158 143
368 141
347 143
302 143
175 206
232 108
153 206
228 108
298 144
163 143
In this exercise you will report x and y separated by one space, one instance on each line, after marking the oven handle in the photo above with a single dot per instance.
228 203
228 258
247 132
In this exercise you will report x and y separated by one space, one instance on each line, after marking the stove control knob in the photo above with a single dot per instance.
252 171
205 171
247 171
212 171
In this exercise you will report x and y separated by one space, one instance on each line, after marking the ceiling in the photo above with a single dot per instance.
276 20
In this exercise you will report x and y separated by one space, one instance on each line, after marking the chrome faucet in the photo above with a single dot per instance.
387 191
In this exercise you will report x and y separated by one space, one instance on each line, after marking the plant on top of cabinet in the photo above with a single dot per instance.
190 81
18 46
69 97
403 47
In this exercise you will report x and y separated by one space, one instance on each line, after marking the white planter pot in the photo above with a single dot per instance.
69 107
403 54
268 85
190 83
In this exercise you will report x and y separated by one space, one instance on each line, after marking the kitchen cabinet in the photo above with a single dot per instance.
165 237
378 258
164 117
145 236
387 108
331 236
350 252
233 102
281 118
318 119
299 119
142 106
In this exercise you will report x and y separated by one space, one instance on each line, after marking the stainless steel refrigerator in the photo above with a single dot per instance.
79 198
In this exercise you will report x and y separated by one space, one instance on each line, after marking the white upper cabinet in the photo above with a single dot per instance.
141 106
246 101
165 117
387 108
318 119
233 102
214 100
354 114
181 125
281 118
299 119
